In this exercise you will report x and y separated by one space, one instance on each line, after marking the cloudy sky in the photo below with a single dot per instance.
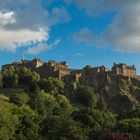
82 32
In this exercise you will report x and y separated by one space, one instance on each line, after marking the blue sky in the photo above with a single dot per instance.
82 32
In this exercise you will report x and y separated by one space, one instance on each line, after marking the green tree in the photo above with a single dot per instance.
92 113
44 103
1 80
28 128
101 104
26 76
62 128
19 98
97 122
85 96
10 78
8 121
52 85
131 126
87 67
64 104
120 136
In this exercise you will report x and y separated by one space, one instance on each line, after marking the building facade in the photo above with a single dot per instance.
61 70
47 69
123 69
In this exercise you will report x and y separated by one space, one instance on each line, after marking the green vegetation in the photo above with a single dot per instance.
32 108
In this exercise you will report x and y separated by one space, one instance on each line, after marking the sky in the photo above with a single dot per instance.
81 32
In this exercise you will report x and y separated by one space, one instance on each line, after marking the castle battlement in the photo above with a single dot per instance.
61 69
124 69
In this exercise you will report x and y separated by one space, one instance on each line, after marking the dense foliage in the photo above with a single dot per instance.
39 109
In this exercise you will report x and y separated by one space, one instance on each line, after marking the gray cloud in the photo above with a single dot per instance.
96 7
58 15
31 14
26 21
124 32
84 36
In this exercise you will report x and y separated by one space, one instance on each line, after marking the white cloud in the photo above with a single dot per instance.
7 18
26 22
55 43
42 47
10 40
38 49
79 54
84 36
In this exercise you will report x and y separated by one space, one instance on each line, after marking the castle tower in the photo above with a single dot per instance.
37 63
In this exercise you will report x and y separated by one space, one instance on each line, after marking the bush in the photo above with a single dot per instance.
120 136
19 98
86 96
131 126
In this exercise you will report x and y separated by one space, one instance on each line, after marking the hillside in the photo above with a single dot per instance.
121 93
88 105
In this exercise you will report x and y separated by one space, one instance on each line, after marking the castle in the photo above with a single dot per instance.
61 70
124 69
49 69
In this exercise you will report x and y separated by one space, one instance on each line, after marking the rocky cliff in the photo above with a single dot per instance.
120 92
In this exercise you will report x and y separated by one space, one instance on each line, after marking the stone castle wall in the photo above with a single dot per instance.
61 70
124 69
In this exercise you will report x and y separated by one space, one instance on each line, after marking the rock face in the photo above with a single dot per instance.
120 92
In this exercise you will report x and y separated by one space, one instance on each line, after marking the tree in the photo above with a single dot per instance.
97 121
19 98
64 104
44 103
131 126
52 85
87 67
62 128
26 76
101 104
85 96
15 80
8 121
1 80
120 136
10 78
28 128
92 113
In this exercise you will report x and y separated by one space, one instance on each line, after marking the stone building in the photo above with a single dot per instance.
37 63
47 69
124 69
57 69
102 69
61 70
